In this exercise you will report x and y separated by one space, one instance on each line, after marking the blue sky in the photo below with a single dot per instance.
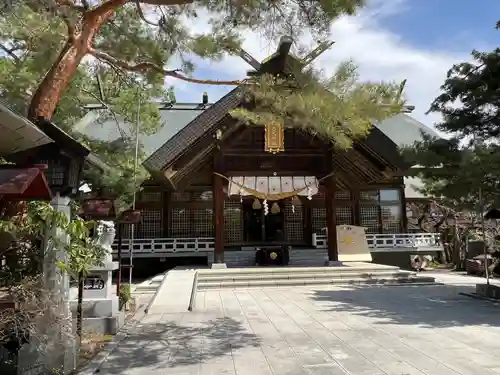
447 24
391 40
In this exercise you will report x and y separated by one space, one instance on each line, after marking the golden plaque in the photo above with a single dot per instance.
275 137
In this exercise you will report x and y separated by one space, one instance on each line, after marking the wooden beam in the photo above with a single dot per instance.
331 211
331 220
218 210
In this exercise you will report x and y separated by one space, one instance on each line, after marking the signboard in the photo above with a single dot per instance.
275 137
352 244
92 282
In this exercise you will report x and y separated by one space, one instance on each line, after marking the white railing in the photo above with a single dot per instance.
166 245
319 241
391 241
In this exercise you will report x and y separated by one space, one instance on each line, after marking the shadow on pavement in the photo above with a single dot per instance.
154 346
433 306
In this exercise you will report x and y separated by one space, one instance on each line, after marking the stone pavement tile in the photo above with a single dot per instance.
257 319
213 302
330 369
279 355
326 350
486 340
230 305
394 362
222 365
250 361
282 359
307 350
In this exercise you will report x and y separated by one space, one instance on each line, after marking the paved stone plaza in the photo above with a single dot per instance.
398 330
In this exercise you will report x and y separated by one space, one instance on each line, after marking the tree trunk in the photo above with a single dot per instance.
79 308
49 92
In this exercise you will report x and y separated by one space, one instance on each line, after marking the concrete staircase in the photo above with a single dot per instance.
359 273
149 286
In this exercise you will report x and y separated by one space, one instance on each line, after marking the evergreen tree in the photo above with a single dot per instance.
454 169
53 50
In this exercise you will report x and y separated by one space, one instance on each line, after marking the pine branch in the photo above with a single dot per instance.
10 52
150 66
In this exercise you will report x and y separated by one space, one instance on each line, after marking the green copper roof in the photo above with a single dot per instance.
172 121
401 129
404 131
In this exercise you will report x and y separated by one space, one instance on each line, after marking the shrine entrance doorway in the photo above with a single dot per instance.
260 228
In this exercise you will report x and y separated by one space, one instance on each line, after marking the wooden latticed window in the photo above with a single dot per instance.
381 211
150 196
369 215
318 219
180 225
344 215
191 223
294 222
390 208
181 197
202 196
342 195
202 220
233 222
150 226
55 172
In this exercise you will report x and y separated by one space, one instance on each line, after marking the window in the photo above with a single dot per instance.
380 210
191 223
389 195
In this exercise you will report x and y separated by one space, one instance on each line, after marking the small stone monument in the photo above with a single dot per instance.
100 304
352 244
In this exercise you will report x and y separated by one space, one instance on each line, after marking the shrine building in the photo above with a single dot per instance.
220 189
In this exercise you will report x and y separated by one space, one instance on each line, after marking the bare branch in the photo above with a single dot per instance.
166 2
150 66
141 14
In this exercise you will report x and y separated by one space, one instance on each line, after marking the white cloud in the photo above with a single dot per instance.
380 55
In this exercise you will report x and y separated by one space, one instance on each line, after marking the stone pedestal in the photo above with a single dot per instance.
100 303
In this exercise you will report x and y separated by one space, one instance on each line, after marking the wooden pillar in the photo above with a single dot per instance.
404 217
331 219
218 208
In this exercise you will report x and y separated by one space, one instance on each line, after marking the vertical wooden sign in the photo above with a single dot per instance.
275 137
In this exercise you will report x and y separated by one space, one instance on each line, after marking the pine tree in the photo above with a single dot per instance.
53 50
455 168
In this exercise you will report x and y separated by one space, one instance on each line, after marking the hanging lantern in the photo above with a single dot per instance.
275 137
275 208
256 204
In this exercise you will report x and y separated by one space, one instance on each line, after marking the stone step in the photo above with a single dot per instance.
150 286
301 275
295 270
313 282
